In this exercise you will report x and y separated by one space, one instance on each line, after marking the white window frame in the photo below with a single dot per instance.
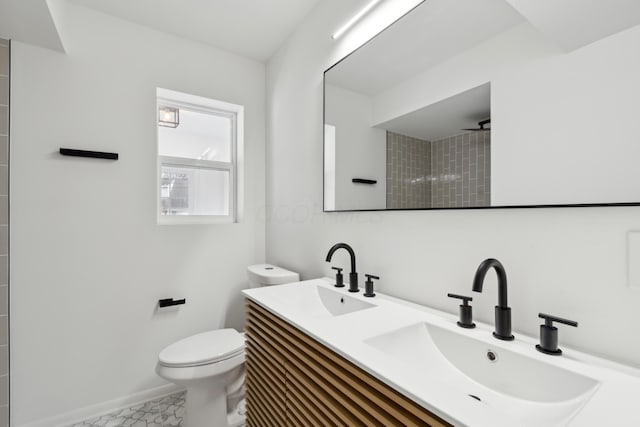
235 167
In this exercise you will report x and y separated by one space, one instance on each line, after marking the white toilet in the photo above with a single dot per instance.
210 365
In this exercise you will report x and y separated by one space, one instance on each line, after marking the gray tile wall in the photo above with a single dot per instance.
408 170
461 170
449 172
4 232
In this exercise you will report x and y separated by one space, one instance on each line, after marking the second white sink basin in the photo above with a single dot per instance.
494 376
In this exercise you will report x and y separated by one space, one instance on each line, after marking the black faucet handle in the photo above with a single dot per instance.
368 285
465 299
549 319
466 311
549 334
339 277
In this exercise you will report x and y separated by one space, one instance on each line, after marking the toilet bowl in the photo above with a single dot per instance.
210 365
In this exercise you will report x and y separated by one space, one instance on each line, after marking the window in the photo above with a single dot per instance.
199 159
329 167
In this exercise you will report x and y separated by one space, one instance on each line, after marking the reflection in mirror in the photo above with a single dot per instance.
482 104
435 157
435 160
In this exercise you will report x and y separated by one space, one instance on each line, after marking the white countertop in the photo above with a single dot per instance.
613 401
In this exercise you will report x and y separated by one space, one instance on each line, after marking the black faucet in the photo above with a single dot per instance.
353 276
503 312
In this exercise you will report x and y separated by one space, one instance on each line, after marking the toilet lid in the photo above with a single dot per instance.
202 349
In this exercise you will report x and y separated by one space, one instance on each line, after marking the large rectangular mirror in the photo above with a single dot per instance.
472 104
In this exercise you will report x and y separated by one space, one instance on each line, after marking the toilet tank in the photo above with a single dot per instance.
267 274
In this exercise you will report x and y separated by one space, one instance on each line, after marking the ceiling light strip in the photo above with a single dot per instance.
355 19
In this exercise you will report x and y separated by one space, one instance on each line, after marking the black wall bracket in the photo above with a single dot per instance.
168 302
91 154
364 181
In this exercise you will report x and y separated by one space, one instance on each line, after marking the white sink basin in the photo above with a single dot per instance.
510 373
531 391
320 301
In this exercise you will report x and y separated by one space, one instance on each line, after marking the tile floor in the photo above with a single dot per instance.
163 412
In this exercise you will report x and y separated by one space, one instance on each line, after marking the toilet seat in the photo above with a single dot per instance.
203 349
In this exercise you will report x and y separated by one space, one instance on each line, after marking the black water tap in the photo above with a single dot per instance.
339 277
353 276
549 334
502 310
368 285
466 311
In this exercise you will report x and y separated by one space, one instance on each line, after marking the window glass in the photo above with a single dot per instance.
194 191
198 135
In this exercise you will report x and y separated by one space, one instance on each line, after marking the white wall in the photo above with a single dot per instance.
361 150
88 262
565 261
561 123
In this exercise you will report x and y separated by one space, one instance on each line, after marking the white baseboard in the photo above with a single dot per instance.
78 415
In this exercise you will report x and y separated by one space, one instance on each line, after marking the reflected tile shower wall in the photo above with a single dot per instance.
452 172
4 232
408 172
461 170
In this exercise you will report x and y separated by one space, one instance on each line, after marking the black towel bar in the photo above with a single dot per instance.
85 153
364 181
168 302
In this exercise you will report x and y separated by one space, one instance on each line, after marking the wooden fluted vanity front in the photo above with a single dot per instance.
293 380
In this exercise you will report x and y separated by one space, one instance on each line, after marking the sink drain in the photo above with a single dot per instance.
475 397
492 356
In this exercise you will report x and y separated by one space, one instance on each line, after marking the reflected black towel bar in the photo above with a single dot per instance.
364 181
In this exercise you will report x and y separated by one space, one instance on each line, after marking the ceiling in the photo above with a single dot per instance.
251 28
30 22
445 118
573 24
256 28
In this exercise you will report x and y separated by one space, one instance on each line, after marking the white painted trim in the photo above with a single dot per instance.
236 167
239 164
194 219
196 163
81 414
195 101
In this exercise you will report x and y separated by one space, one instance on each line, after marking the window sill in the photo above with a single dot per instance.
194 219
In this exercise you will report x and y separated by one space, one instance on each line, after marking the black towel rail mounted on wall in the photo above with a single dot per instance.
91 154
168 302
364 181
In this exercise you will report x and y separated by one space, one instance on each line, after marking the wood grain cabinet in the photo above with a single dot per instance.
294 381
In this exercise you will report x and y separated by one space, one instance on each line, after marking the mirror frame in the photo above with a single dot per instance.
324 210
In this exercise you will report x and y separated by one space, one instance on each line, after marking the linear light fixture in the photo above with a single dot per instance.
355 19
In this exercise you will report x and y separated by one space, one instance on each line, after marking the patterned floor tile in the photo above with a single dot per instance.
165 412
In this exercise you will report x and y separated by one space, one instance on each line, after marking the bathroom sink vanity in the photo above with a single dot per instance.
318 354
